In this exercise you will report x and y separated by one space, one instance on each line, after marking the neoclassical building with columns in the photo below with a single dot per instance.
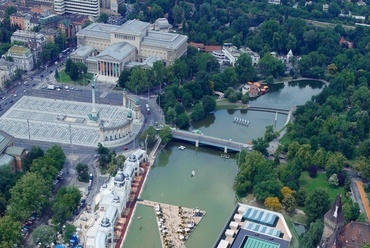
107 49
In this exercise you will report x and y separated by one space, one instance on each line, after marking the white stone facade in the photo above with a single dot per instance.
22 57
134 41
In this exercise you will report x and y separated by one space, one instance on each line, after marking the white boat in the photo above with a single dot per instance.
182 148
193 174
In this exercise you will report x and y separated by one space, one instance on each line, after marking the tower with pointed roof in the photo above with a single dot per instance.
333 219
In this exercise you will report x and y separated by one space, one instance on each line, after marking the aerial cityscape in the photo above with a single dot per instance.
224 124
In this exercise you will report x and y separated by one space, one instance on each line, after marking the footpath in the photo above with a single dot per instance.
365 202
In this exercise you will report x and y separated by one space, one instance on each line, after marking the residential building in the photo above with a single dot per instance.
29 38
17 19
117 46
83 7
232 54
50 21
250 227
7 70
22 57
325 7
50 34
66 27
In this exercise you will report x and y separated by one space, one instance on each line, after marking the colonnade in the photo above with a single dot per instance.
116 133
109 69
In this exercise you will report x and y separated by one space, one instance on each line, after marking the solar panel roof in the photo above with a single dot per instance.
252 242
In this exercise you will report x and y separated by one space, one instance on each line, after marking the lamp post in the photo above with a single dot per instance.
29 133
148 92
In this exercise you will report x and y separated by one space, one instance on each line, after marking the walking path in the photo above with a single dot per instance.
363 198
175 223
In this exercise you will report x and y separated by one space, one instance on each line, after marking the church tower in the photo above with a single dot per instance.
333 219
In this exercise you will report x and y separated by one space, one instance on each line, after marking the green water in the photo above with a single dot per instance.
169 182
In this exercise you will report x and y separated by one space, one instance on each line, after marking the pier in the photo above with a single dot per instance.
175 223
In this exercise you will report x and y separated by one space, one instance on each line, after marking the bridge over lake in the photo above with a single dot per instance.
201 139
225 144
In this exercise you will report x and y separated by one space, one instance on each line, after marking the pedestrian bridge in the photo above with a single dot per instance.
200 139
271 110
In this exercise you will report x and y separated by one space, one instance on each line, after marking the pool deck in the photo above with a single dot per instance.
174 222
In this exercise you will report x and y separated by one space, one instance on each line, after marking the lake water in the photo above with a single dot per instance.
211 190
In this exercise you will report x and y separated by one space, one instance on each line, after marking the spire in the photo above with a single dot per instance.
335 213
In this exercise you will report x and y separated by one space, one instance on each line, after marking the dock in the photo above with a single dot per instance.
175 223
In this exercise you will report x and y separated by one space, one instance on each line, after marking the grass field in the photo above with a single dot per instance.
320 181
65 79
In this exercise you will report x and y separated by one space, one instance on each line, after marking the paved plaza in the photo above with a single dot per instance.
59 121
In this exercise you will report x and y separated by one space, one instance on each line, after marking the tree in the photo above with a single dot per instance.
25 199
287 191
198 112
171 115
273 203
74 72
45 235
289 203
103 18
124 78
312 171
56 154
138 81
209 104
244 69
313 235
316 204
68 232
102 150
165 134
271 66
182 121
333 179
82 172
149 134
122 9
264 189
66 201
260 144
69 63
10 234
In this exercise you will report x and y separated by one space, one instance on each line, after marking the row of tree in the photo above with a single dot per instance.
29 192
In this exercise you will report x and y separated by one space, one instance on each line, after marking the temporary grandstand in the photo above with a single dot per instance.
250 227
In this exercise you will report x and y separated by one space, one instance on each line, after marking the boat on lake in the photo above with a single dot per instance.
182 148
193 174
225 155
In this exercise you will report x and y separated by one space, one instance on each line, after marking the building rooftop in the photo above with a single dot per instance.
133 27
15 150
83 51
99 30
5 140
117 51
254 227
5 159
162 39
19 51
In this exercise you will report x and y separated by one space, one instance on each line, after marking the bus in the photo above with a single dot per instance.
65 51
147 108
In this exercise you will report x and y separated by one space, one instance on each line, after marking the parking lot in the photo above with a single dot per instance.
58 121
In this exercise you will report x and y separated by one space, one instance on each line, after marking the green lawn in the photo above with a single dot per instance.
320 181
65 79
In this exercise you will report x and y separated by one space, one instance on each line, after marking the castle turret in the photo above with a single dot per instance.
333 219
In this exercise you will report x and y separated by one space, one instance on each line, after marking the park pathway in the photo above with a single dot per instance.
363 198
